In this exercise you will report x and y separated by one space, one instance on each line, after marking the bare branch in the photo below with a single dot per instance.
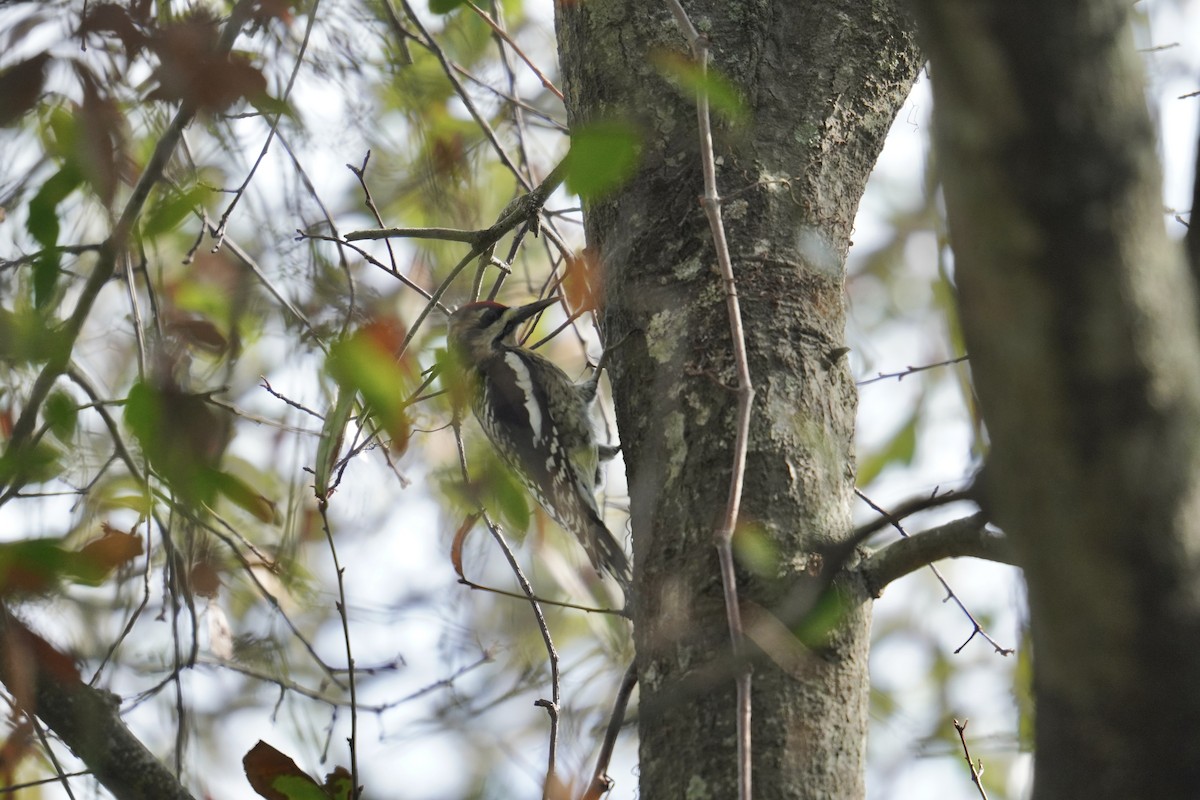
745 397
966 537
893 520
343 614
601 783
442 234
503 34
904 373
555 702
976 770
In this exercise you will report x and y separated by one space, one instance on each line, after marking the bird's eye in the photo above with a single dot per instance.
490 315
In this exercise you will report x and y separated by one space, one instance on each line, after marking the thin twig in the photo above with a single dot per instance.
950 595
503 34
58 770
904 510
976 772
249 263
441 234
323 509
448 69
16 787
554 703
479 587
274 126
361 174
601 783
745 397
904 373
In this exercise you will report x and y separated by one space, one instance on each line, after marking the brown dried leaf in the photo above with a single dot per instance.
111 550
460 539
199 332
264 765
582 282
114 19
20 87
205 579
191 70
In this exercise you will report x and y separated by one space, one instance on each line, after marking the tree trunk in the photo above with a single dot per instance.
1080 320
822 82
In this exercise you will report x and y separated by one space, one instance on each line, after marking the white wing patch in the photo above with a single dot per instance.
525 383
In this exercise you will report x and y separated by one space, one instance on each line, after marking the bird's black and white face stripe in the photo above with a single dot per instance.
477 330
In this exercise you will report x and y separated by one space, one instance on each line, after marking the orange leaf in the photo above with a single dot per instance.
337 783
460 538
111 550
582 282
101 140
386 332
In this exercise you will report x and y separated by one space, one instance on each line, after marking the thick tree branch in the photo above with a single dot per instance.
44 682
968 536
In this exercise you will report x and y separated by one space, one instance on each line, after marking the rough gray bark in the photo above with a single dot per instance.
88 720
823 81
1081 323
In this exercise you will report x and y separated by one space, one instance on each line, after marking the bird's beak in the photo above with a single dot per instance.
522 313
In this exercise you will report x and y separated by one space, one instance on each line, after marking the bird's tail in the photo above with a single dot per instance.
607 554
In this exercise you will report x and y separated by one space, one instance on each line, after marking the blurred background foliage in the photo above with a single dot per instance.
159 520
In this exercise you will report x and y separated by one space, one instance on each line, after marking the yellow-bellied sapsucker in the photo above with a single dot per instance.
539 421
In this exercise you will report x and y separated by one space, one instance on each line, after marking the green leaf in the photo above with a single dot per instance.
182 436
444 6
755 550
900 449
243 495
25 336
364 361
43 225
602 157
120 492
269 106
295 787
330 444
32 565
45 277
36 463
723 96
505 493
61 414
167 214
